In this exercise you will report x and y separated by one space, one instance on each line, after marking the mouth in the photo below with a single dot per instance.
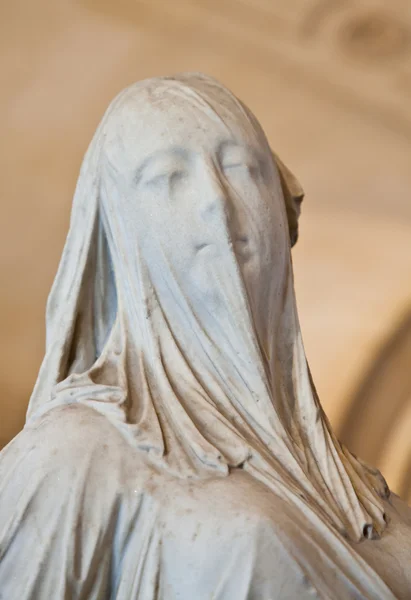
202 247
241 241
240 246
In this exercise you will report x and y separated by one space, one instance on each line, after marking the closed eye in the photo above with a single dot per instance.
236 158
167 178
252 168
164 167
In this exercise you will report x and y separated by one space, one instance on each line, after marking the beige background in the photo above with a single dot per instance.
330 80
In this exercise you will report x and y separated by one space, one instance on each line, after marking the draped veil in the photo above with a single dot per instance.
198 399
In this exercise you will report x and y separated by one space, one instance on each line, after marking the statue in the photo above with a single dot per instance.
175 446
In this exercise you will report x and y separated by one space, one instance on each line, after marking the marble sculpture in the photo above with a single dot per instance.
175 446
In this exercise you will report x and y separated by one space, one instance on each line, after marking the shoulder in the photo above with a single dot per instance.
65 437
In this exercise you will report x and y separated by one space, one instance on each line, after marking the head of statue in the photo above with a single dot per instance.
187 171
173 311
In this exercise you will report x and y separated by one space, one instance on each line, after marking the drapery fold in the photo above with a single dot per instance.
204 377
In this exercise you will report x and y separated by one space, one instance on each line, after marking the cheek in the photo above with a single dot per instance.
269 238
251 196
164 236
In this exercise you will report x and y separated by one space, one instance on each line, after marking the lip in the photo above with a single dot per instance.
242 248
240 245
242 240
202 247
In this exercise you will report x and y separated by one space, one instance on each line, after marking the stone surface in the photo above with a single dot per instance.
175 444
328 79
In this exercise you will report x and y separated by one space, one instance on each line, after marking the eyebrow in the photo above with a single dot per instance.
233 143
173 150
226 143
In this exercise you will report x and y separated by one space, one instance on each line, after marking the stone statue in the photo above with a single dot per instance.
175 446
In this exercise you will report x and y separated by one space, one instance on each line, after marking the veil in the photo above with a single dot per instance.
200 400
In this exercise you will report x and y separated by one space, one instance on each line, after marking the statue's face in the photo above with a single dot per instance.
201 195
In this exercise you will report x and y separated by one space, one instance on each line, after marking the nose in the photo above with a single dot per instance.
215 200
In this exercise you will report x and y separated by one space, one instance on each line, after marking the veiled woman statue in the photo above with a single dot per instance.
175 447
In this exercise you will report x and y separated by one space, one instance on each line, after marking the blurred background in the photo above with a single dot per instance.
330 81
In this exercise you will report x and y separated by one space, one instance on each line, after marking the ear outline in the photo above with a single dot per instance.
293 196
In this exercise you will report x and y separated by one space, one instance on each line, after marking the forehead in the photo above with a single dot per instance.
153 120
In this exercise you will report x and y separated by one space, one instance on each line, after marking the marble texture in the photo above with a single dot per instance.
329 81
175 445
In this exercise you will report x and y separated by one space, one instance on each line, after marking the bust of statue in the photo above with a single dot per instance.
175 446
